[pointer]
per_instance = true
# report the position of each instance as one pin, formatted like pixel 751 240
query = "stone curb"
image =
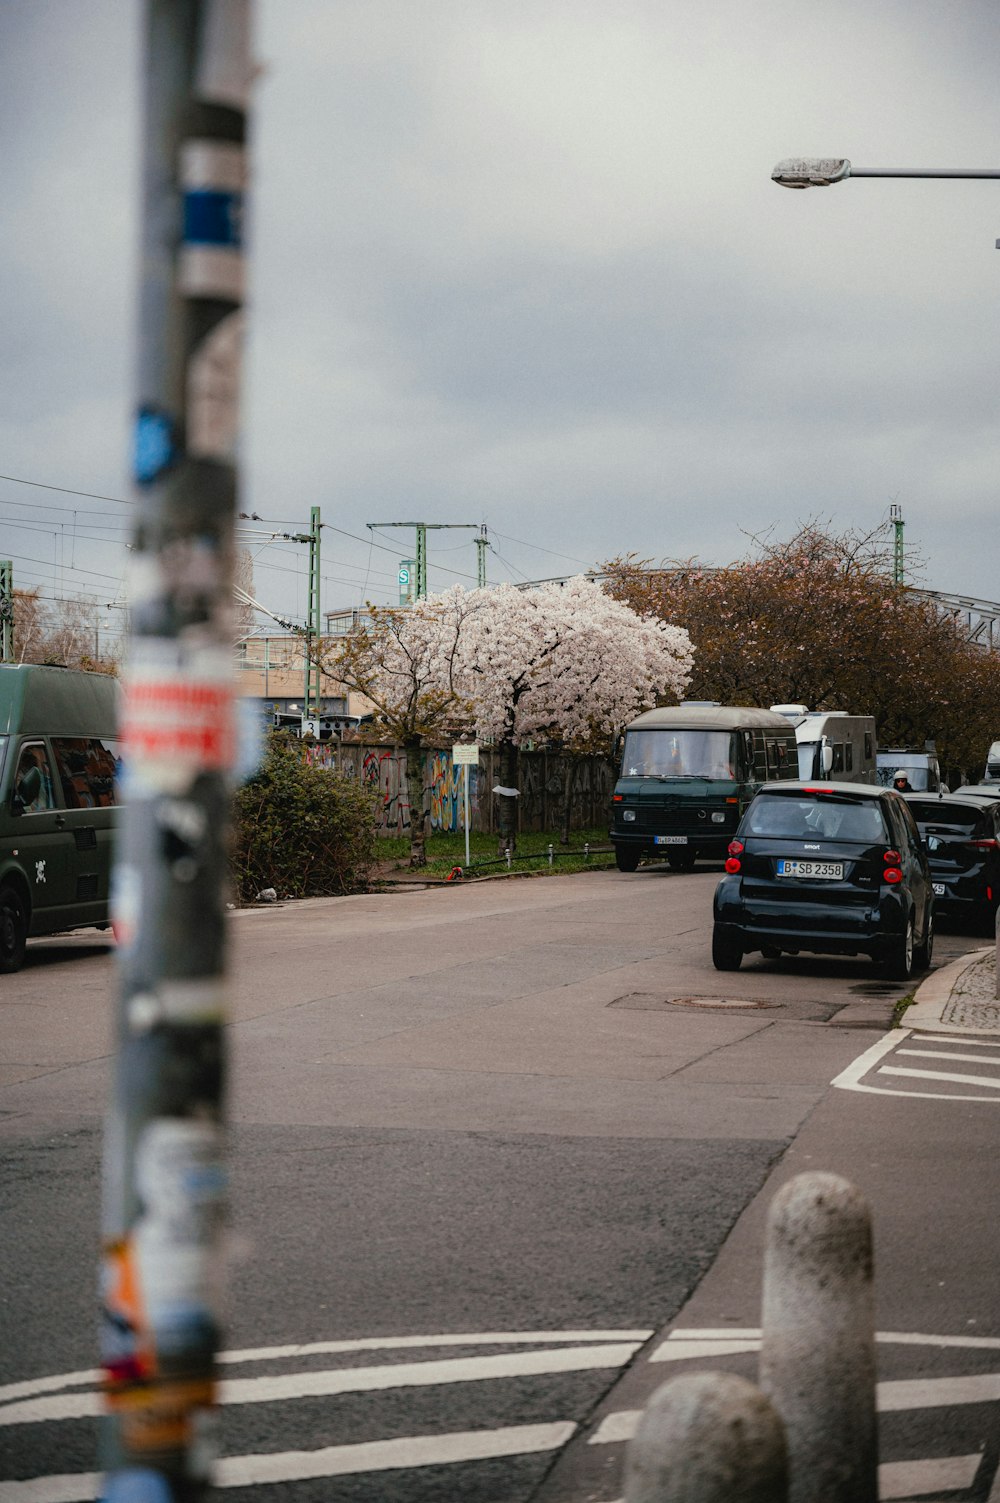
pixel 941 1005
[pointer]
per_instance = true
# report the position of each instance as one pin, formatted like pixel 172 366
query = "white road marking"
pixel 937 1038
pixel 353 1380
pixel 919 1479
pixel 711 1341
pixel 851 1078
pixel 938 1393
pixel 980 1080
pixel 407 1451
pixel 92 1376
pixel 969 1059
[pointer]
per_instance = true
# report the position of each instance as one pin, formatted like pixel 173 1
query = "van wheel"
pixel 727 950
pixel 899 956
pixel 626 861
pixel 13 929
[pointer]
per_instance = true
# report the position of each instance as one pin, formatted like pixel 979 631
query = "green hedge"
pixel 305 831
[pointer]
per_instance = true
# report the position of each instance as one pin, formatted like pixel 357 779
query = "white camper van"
pixel 832 743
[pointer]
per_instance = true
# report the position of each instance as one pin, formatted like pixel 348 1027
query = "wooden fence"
pixel 547 779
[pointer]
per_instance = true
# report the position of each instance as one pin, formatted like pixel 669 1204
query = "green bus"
pixel 688 773
pixel 59 763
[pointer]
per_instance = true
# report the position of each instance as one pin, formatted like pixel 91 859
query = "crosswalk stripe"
pixel 354 1380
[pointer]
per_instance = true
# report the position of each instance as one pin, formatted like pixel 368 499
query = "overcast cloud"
pixel 521 262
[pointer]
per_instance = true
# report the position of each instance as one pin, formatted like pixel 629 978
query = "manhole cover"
pixel 652 1002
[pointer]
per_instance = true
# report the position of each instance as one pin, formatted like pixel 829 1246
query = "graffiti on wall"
pixel 446 785
pixel 384 768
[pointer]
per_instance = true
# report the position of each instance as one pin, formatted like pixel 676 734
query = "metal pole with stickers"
pixel 164 1163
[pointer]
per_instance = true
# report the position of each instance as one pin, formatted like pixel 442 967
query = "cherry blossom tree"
pixel 403 660
pixel 562 662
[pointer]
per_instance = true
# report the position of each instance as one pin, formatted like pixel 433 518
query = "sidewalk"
pixel 929 1171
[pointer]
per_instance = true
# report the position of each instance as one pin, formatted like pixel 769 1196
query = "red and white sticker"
pixel 178 718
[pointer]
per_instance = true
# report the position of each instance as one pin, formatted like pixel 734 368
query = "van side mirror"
pixel 28 788
pixel 827 758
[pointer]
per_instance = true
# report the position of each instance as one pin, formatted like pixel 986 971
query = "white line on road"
pixel 93 1375
pixel 920 1479
pixel 937 1038
pixel 979 1080
pixel 708 1341
pixel 938 1393
pixel 850 1079
pixel 354 1380
pixel 969 1059
pixel 332 1461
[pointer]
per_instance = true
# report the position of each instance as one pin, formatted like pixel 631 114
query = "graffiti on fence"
pixel 319 754
pixel 446 783
pixel 385 768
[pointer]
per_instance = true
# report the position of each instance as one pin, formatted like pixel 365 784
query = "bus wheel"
pixel 626 861
pixel 13 929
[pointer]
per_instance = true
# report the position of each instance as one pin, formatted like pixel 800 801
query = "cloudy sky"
pixel 521 262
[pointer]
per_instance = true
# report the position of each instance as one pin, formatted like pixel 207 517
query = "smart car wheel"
pixel 727 950
pixel 626 861
pixel 13 929
pixel 899 957
pixel 922 953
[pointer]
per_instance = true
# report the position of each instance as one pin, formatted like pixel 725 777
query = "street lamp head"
pixel 811 172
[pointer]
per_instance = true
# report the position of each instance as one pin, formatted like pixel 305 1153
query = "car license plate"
pixel 938 889
pixel 670 840
pixel 829 869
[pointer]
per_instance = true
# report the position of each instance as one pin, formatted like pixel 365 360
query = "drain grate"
pixel 653 1002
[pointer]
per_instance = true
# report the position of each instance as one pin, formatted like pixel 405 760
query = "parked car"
pixel 830 868
pixel 962 836
pixel 978 790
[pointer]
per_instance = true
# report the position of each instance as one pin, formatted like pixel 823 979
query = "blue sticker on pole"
pixel 136 1484
pixel 153 444
pixel 213 216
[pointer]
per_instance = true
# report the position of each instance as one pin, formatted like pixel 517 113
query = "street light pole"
pixel 822 172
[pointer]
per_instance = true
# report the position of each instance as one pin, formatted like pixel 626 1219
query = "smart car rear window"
pixel 815 818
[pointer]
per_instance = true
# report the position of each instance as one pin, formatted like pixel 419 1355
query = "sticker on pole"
pixel 177 719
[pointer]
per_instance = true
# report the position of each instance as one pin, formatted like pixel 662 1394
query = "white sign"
pixel 463 755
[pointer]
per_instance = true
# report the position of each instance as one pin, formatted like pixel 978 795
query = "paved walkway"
pixel 927 1165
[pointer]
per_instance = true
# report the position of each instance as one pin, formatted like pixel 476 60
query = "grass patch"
pixel 445 851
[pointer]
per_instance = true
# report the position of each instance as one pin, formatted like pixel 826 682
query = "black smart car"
pixel 962 836
pixel 830 868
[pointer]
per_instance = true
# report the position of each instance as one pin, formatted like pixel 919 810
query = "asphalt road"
pixel 485 1141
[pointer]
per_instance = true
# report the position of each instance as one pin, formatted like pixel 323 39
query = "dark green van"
pixel 688 773
pixel 58 768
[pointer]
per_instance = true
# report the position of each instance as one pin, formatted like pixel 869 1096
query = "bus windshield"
pixel 679 754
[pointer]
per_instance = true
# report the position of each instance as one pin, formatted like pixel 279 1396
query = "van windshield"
pixel 679 754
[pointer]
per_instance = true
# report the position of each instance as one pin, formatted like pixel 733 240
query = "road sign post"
pixel 465 756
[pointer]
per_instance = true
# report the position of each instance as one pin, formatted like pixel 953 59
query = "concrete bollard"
pixel 550 853
pixel 707 1438
pixel 817 1360
pixel 507 856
